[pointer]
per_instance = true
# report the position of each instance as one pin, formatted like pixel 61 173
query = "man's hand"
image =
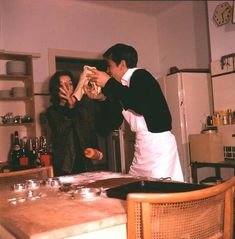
pixel 99 77
pixel 91 95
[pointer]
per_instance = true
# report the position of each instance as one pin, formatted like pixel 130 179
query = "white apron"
pixel 155 154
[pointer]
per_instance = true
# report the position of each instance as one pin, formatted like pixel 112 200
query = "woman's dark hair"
pixel 54 85
pixel 120 52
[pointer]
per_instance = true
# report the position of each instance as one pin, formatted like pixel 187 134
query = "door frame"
pixel 53 53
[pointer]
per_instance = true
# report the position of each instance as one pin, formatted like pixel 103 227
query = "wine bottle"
pixel 45 155
pixel 24 159
pixel 31 153
pixel 36 151
pixel 16 152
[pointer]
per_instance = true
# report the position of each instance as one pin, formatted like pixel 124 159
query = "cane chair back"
pixel 201 214
pixel 22 175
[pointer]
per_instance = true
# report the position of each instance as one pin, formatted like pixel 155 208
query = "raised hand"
pixel 65 93
pixel 91 95
pixel 99 77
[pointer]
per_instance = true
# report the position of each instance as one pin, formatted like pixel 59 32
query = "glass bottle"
pixel 36 152
pixel 24 158
pixel 16 152
pixel 45 155
pixel 31 153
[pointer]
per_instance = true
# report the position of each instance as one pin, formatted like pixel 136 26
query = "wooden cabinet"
pixel 19 107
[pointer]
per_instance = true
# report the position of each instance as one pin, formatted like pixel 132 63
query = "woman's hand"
pixel 65 93
pixel 99 77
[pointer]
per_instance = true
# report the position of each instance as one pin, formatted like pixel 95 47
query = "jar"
pixel 225 120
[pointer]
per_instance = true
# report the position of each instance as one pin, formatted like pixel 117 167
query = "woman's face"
pixel 65 80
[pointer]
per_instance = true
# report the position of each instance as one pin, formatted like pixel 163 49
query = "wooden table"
pixel 59 216
pixel 217 166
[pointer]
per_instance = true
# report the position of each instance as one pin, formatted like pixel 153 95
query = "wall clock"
pixel 222 13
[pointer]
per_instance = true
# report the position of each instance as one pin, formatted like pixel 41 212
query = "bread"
pixel 85 81
pixel 93 154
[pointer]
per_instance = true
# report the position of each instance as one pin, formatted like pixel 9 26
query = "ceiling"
pixel 147 7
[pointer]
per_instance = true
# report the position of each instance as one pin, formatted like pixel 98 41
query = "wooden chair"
pixel 22 175
pixel 201 214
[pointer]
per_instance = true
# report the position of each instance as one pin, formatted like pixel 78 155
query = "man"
pixel 135 94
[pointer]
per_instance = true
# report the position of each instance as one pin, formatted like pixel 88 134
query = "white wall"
pixel 177 37
pixel 183 37
pixel 35 26
pixel 1 23
pixel 222 37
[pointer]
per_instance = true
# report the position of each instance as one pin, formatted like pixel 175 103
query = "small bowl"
pixel 19 187
pixel 53 182
pixel 88 193
pixel 33 184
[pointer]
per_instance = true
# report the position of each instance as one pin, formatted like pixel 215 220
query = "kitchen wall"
pixel 35 26
pixel 183 37
pixel 1 19
pixel 171 38
pixel 222 37
pixel 162 42
pixel 1 33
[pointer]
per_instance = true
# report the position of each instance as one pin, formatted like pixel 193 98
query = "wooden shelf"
pixel 17 105
pixel 16 99
pixel 15 77
pixel 15 55
pixel 16 124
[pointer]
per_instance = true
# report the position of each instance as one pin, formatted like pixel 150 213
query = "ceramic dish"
pixel 87 193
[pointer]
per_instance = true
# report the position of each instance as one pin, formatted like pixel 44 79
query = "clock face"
pixel 222 13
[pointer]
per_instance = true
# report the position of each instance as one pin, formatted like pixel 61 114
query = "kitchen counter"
pixel 58 215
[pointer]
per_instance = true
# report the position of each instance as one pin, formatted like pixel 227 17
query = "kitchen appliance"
pixel 188 94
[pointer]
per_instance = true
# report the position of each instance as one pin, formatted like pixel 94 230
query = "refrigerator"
pixel 189 97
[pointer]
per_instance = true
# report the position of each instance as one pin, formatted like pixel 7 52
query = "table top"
pixel 57 215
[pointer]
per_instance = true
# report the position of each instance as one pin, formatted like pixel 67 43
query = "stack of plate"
pixel 16 68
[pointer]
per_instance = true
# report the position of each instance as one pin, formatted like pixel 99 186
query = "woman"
pixel 72 126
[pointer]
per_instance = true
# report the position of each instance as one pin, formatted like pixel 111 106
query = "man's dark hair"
pixel 120 52
pixel 54 85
